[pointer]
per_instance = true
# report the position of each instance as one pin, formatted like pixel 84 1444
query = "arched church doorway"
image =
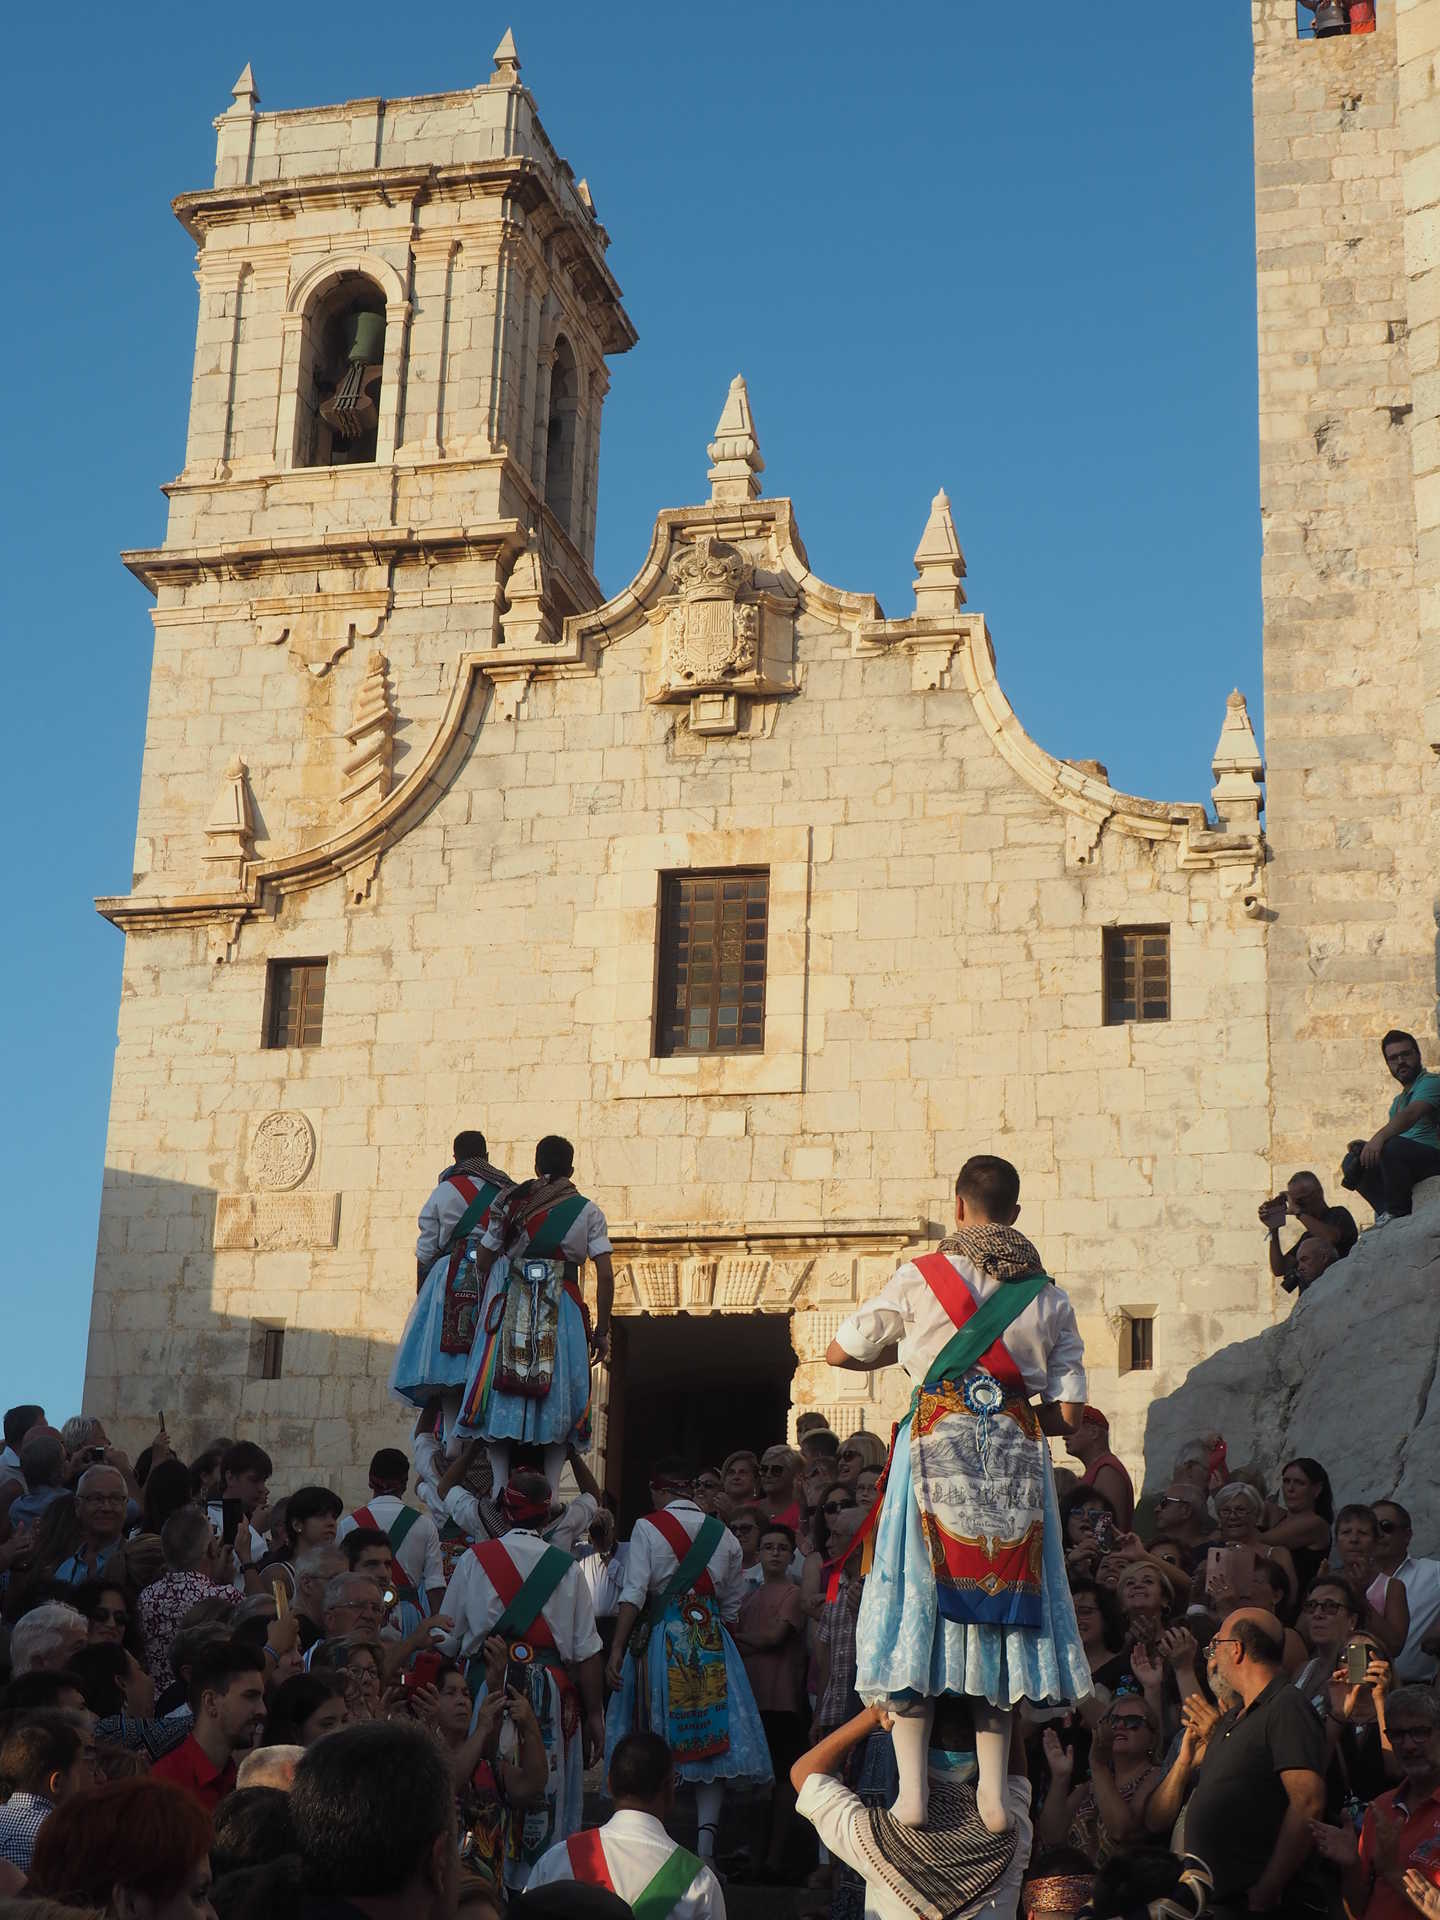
pixel 697 1385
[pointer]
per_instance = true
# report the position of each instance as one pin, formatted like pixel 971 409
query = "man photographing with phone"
pixel 1303 1200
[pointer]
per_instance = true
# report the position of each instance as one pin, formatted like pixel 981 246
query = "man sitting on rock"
pixel 1386 1167
pixel 1304 1201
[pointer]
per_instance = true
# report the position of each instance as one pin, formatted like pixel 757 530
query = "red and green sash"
pixel 462 1305
pixel 521 1618
pixel 396 1533
pixel 658 1899
pixel 545 1234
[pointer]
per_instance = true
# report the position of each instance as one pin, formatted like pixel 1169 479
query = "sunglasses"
pixel 838 1506
pixel 118 1618
pixel 850 1453
pixel 775 1466
pixel 707 1486
pixel 1128 1721
pixel 1390 1526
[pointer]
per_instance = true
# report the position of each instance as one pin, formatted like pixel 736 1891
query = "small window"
pixel 296 1003
pixel 1137 974
pixel 1137 1353
pixel 712 962
pixel 267 1352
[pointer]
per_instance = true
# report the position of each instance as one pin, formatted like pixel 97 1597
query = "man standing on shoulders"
pixel 1104 1470
pixel 434 1351
pixel 632 1854
pixel 414 1539
pixel 1407 1148
pixel 529 1377
pixel 673 1665
pixel 1401 1829
pixel 227 1692
pixel 1258 1770
pixel 532 1596
pixel 1416 1663
pixel 1304 1202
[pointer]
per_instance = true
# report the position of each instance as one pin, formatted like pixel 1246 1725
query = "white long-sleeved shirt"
pixel 636 1847
pixel 651 1561
pixel 1043 1340
pixel 1421 1581
pixel 836 1813
pixel 419 1556
pixel 439 1217
pixel 474 1605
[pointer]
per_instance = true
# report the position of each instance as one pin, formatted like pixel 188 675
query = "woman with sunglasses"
pixel 708 1490
pixel 861 1449
pixel 1105 1814
pixel 840 1585
pixel 1329 1617
pixel 834 1501
pixel 110 1609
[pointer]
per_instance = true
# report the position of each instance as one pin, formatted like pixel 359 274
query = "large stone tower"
pixel 1347 172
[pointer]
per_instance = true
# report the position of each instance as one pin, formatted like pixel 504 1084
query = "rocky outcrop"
pixel 1349 1378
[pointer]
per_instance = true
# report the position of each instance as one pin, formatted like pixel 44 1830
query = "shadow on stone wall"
pixel 160 1340
pixel 1348 1378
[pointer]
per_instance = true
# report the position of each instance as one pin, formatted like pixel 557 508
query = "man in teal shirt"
pixel 1407 1147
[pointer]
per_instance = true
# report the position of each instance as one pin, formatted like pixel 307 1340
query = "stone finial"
pixel 529 619
pixel 507 63
pixel 230 830
pixel 1239 771
pixel 735 475
pixel 366 770
pixel 939 564
pixel 245 93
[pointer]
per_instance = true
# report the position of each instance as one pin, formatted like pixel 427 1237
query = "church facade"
pixel 766 900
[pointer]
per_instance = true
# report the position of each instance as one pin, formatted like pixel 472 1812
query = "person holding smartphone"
pixel 1303 1200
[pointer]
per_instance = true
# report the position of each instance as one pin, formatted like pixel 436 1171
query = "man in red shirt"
pixel 1104 1471
pixel 227 1692
pixel 1402 1828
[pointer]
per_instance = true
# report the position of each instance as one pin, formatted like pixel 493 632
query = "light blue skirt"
pixel 422 1369
pixel 904 1645
pixel 555 1419
pixel 748 1757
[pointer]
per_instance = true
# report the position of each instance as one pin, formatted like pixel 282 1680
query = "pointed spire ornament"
pixel 735 452
pixel 230 830
pixel 366 771
pixel 507 63
pixel 245 93
pixel 939 564
pixel 1239 771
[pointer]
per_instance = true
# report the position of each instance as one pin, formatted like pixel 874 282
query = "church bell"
pixel 351 409
pixel 1331 17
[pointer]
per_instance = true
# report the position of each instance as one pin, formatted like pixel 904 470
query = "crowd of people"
pixel 926 1674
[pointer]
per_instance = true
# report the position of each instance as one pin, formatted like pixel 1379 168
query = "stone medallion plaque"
pixel 282 1152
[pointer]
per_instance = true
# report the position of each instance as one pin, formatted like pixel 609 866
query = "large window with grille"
pixel 712 962
pixel 295 1003
pixel 1137 974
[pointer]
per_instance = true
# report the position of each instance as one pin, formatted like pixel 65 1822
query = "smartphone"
pixel 517 1669
pixel 232 1513
pixel 95 1455
pixel 1105 1533
pixel 422 1671
pixel 1357 1662
pixel 282 1598
pixel 160 1423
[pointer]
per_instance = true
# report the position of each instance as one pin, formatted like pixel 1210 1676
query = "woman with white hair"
pixel 1239 1509
pixel 47 1638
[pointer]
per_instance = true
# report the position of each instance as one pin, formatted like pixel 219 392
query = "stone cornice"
pixel 632 1238
pixel 244 559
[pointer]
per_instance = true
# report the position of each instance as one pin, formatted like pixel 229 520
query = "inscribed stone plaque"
pixel 276 1222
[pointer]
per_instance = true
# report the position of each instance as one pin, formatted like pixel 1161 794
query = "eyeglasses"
pixel 1127 1722
pixel 837 1506
pixel 1326 1606
pixel 104 1616
pixel 1227 1640
pixel 1408 1733
pixel 707 1486
pixel 773 1466
pixel 1171 1500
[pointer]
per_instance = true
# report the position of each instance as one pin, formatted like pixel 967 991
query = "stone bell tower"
pixel 1348 237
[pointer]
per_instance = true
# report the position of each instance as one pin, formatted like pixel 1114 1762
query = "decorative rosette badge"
pixel 696 1614
pixel 985 1397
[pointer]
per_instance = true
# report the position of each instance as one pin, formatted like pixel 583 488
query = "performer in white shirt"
pixel 681 1675
pixel 632 1854
pixel 413 1536
pixel 533 1597
pixel 434 1351
pixel 952 1867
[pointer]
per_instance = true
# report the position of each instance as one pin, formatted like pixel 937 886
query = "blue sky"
pixel 999 248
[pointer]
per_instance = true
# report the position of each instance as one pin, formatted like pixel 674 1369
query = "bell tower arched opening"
pixel 341 362
pixel 561 433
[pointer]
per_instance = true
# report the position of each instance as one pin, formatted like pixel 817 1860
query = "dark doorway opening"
pixel 697 1385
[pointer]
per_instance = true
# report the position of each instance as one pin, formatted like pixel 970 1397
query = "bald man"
pixel 1258 1770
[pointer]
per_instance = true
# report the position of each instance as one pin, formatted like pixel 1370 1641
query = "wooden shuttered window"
pixel 1137 974
pixel 295 1003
